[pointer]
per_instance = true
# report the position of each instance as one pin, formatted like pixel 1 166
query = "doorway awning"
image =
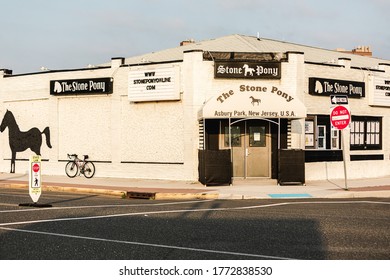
pixel 253 102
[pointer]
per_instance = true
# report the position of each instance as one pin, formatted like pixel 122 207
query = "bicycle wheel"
pixel 89 169
pixel 71 169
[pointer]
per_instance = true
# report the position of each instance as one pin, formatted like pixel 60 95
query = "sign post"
pixel 35 184
pixel 340 118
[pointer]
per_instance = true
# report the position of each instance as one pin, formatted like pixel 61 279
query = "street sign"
pixel 35 188
pixel 339 100
pixel 340 117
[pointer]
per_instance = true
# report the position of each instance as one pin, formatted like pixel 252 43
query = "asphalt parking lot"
pixel 96 227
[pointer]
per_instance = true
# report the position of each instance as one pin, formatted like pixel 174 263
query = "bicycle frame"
pixel 80 163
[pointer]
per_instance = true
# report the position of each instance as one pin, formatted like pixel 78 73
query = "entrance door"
pixel 250 142
pixel 258 153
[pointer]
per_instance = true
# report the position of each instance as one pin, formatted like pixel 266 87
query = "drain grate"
pixel 141 195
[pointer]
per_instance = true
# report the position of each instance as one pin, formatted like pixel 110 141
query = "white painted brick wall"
pixel 146 135
pixel 108 128
pixel 359 107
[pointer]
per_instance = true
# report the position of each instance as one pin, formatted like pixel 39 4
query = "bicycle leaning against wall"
pixel 75 165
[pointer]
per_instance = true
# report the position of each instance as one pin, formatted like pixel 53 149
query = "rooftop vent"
pixel 187 42
pixel 360 50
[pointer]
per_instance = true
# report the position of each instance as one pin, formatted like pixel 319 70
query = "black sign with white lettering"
pixel 247 70
pixel 81 86
pixel 339 100
pixel 328 87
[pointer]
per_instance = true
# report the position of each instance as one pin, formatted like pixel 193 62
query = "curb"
pixel 145 193
pixel 360 194
pixel 122 194
pixel 186 196
pixel 84 190
pixel 50 188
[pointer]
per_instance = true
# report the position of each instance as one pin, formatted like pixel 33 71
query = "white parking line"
pixel 7 204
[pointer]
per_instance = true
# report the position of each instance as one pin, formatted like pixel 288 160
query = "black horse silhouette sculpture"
pixel 20 141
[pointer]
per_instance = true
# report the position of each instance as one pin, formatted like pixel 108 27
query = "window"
pixel 319 135
pixel 335 142
pixel 309 133
pixel 235 136
pixel 366 133
pixel 257 136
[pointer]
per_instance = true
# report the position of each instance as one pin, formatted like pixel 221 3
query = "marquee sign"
pixel 247 70
pixel 81 86
pixel 154 83
pixel 250 101
pixel 327 87
pixel 381 93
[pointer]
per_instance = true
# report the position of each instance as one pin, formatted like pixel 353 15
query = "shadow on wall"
pixel 20 141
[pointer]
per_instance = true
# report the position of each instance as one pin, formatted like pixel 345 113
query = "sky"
pixel 71 34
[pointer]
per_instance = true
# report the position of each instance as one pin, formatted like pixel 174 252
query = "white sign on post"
pixel 35 184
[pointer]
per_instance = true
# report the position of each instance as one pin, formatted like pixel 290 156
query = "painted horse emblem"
pixel 20 141
pixel 255 100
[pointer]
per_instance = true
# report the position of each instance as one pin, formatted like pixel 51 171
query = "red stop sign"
pixel 340 117
pixel 35 167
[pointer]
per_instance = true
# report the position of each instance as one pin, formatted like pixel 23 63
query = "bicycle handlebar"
pixel 76 156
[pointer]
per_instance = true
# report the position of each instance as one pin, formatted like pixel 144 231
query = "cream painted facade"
pixel 161 139
pixel 124 139
pixel 358 107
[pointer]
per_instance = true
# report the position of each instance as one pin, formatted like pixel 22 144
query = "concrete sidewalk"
pixel 241 189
